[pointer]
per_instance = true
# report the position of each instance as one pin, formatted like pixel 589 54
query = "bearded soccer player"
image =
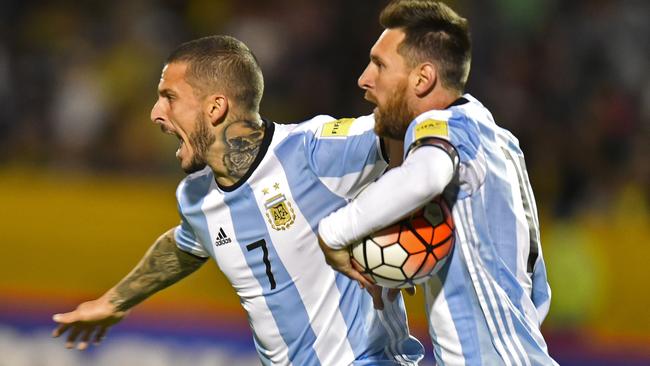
pixel 255 193
pixel 486 305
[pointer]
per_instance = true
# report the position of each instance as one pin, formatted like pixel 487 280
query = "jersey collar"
pixel 269 128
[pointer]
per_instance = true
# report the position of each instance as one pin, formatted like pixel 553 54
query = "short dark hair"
pixel 225 64
pixel 434 32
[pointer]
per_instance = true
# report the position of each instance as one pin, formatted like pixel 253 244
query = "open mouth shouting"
pixel 169 131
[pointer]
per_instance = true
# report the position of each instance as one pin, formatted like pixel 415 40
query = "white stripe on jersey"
pixel 464 243
pixel 251 296
pixel 348 182
pixel 494 246
pixel 451 351
pixel 473 172
pixel 491 289
pixel 301 311
pixel 507 330
pixel 522 228
pixel 391 319
pixel 325 316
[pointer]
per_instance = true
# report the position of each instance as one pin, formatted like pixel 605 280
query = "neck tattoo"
pixel 242 140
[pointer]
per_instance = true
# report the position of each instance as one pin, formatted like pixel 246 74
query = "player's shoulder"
pixel 459 123
pixel 195 185
pixel 326 126
pixel 464 111
pixel 434 123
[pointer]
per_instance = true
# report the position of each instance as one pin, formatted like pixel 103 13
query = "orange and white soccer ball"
pixel 410 251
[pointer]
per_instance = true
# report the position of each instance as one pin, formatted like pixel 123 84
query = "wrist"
pixel 115 303
pixel 327 233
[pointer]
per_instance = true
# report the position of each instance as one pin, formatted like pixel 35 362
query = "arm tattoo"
pixel 243 140
pixel 163 264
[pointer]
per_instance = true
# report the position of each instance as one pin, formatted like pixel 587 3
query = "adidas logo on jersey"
pixel 222 238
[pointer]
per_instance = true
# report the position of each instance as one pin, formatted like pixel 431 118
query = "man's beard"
pixel 200 141
pixel 393 119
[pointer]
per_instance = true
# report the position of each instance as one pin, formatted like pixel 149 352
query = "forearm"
pixel 422 176
pixel 163 265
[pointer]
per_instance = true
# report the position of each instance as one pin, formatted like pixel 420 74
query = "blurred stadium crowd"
pixel 571 79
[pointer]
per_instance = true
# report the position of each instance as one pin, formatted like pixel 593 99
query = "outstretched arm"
pixel 163 265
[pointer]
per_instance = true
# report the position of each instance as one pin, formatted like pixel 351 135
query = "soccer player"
pixel 255 193
pixel 486 305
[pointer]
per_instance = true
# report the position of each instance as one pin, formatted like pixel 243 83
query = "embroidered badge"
pixel 279 211
pixel 431 127
pixel 337 128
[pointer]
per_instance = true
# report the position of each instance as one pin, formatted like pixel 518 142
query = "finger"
pixel 72 337
pixel 364 282
pixel 60 330
pixel 84 338
pixel 357 266
pixel 66 318
pixel 375 293
pixel 99 336
pixel 362 271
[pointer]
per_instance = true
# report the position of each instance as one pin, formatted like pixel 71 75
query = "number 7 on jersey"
pixel 265 257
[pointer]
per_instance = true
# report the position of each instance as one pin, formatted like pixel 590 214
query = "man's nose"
pixel 156 115
pixel 364 79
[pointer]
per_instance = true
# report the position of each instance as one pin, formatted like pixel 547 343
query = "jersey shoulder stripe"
pixel 189 196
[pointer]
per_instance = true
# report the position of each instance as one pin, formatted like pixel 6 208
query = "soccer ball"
pixel 410 251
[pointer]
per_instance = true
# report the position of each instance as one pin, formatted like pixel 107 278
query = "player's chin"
pixel 189 169
pixel 192 166
pixel 380 129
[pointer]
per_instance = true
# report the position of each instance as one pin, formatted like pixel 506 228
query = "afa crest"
pixel 279 212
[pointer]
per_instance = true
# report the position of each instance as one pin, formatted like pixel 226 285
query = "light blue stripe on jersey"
pixel 487 313
pixel 404 348
pixel 491 252
pixel 354 148
pixel 499 200
pixel 312 197
pixel 469 321
pixel 284 301
pixel 499 318
pixel 541 294
pixel 516 334
pixel 457 286
pixel 263 358
pixel 354 305
pixel 190 203
pixel 315 201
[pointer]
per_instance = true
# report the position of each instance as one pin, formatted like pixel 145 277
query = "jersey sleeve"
pixel 346 154
pixel 184 235
pixel 462 135
pixel 427 170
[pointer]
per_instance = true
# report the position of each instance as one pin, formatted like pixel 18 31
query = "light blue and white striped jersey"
pixel 487 304
pixel 262 232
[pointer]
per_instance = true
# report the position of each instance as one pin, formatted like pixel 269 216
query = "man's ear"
pixel 216 108
pixel 425 78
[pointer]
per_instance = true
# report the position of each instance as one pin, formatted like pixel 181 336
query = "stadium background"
pixel 87 182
